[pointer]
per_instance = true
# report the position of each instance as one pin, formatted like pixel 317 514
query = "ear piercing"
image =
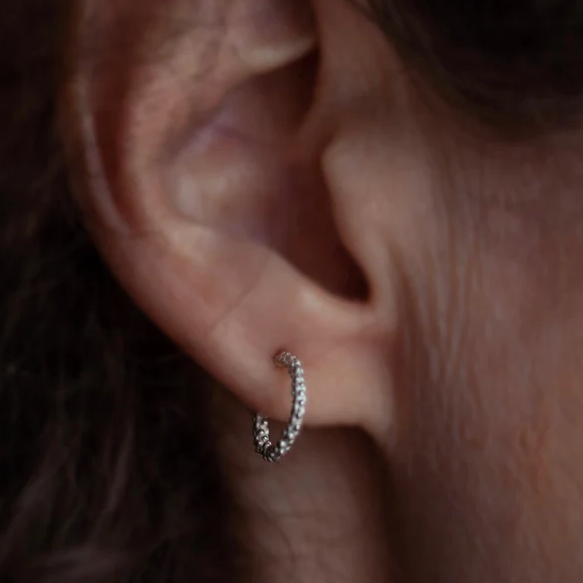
pixel 263 446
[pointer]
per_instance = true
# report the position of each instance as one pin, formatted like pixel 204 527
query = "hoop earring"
pixel 263 446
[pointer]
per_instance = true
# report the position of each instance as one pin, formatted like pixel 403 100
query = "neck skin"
pixel 319 515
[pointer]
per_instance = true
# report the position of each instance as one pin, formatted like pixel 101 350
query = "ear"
pixel 203 148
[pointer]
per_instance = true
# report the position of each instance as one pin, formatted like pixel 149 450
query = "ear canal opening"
pixel 315 246
pixel 318 251
pixel 303 225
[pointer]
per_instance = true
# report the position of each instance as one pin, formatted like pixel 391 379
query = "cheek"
pixel 489 469
pixel 489 478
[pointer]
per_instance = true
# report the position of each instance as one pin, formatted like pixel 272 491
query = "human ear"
pixel 203 147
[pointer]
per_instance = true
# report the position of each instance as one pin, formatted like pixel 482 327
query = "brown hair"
pixel 107 466
pixel 514 67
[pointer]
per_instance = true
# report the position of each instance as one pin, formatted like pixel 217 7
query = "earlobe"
pixel 230 243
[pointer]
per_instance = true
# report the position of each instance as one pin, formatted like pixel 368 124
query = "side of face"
pixel 262 174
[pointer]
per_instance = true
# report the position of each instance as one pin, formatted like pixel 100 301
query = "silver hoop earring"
pixel 263 446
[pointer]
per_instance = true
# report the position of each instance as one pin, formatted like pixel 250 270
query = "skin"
pixel 251 194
